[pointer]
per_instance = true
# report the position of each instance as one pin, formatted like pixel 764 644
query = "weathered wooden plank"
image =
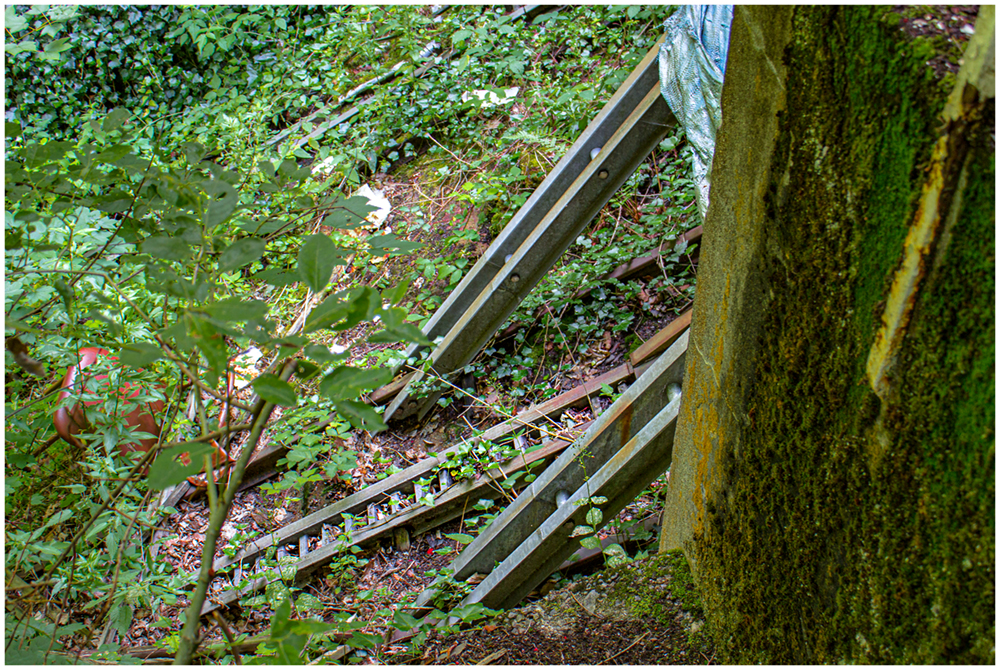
pixel 663 339
pixel 560 402
pixel 645 263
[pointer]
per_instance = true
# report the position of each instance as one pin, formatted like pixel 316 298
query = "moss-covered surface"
pixel 635 595
pixel 833 540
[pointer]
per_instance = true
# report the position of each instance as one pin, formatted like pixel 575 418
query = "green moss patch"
pixel 656 587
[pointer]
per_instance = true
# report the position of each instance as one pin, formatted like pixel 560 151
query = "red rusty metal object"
pixel 70 421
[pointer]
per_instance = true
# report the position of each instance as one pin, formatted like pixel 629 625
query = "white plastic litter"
pixel 491 99
pixel 245 366
pixel 692 66
pixel 376 199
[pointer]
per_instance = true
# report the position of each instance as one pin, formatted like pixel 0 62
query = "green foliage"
pixel 89 264
pixel 160 202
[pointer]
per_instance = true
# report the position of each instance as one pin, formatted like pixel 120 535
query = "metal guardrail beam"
pixel 524 253
pixel 567 170
pixel 530 538
pixel 640 461
pixel 598 446
pixel 451 503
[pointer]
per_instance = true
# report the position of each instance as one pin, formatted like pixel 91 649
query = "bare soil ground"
pixel 643 613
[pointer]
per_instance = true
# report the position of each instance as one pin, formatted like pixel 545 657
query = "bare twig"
pixel 584 607
pixel 635 642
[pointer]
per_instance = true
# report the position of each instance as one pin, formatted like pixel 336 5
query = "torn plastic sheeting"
pixel 692 66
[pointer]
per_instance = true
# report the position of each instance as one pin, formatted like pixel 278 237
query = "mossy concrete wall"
pixel 833 481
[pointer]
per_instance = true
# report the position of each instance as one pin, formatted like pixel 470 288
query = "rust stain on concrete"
pixel 977 77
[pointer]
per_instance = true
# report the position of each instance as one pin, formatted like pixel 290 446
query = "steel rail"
pixel 611 459
pixel 606 154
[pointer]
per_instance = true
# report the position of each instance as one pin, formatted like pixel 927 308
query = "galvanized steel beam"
pixel 598 446
pixel 641 460
pixel 608 152
pixel 530 537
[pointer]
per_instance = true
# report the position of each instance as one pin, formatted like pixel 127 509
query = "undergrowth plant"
pixel 157 300
pixel 202 219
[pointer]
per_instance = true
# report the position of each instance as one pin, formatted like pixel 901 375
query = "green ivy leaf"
pixel 590 542
pixel 275 390
pixel 464 538
pixel 115 118
pixel 595 516
pixel 13 21
pixel 26 45
pixel 403 621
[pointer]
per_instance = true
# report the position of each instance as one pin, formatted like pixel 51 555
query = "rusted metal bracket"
pixel 609 150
